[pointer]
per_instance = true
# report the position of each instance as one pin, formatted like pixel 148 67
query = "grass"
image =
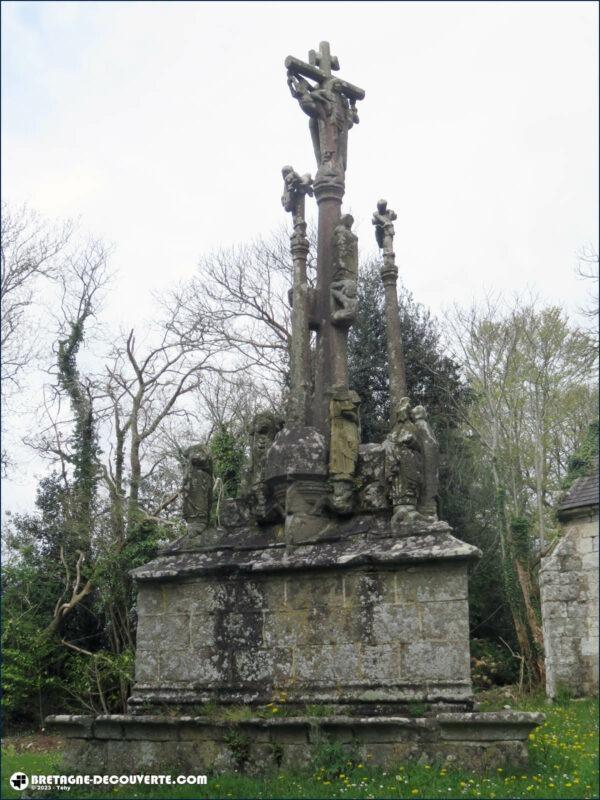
pixel 563 764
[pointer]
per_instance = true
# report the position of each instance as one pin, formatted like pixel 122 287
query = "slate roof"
pixel 583 492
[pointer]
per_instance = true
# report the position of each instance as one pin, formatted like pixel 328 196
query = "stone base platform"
pixel 112 744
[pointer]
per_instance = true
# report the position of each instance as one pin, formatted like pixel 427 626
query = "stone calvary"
pixel 329 591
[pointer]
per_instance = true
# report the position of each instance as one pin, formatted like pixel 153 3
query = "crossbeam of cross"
pixel 319 69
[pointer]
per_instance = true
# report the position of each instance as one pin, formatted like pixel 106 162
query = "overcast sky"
pixel 165 126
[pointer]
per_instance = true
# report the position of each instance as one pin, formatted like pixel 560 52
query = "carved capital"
pixel 299 243
pixel 329 187
pixel 389 272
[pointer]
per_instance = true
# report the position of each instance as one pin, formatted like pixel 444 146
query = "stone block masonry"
pixel 382 633
pixel 569 595
pixel 189 744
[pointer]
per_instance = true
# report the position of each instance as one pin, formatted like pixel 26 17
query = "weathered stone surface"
pixel 569 595
pixel 161 743
pixel 197 487
pixel 399 629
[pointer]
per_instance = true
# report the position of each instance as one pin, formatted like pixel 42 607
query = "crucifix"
pixel 330 104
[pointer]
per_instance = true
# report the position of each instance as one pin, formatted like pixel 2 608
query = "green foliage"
pixel 520 528
pixel 431 376
pixel 332 758
pixel 492 664
pixel 99 682
pixel 29 687
pixel 563 764
pixel 228 451
pixel 84 440
pixel 582 460
pixel 239 744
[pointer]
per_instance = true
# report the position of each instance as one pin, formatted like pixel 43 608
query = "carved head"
pixel 347 220
pixel 199 457
pixel 382 206
pixel 419 412
pixel 403 410
pixel 263 430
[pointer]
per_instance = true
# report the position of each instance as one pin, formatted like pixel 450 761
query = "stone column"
pixel 330 103
pixel 383 219
pixel 330 366
pixel 296 187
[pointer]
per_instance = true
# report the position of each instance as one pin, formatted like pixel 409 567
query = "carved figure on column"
pixel 331 117
pixel 262 430
pixel 343 451
pixel 404 467
pixel 383 219
pixel 197 487
pixel 295 188
pixel 428 499
pixel 331 105
pixel 345 273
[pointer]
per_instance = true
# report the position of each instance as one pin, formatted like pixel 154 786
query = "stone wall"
pixel 366 635
pixel 569 594
pixel 196 745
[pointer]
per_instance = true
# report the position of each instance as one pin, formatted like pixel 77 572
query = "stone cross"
pixel 383 220
pixel 330 104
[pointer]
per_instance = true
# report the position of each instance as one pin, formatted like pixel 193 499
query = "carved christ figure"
pixel 331 114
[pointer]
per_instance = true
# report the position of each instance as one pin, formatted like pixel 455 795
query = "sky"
pixel 163 126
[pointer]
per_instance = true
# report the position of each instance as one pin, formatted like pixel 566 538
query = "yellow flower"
pixel 415 791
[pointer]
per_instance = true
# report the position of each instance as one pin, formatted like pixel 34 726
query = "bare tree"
pixel 243 293
pixel 82 277
pixel 30 250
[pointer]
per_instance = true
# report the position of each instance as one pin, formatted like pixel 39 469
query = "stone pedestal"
pixel 366 628
pixel 363 621
pixel 200 744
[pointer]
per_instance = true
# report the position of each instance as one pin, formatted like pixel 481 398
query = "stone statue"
pixel 331 114
pixel 404 467
pixel 262 430
pixel 345 273
pixel 343 451
pixel 431 461
pixel 383 219
pixel 197 487
pixel 295 188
